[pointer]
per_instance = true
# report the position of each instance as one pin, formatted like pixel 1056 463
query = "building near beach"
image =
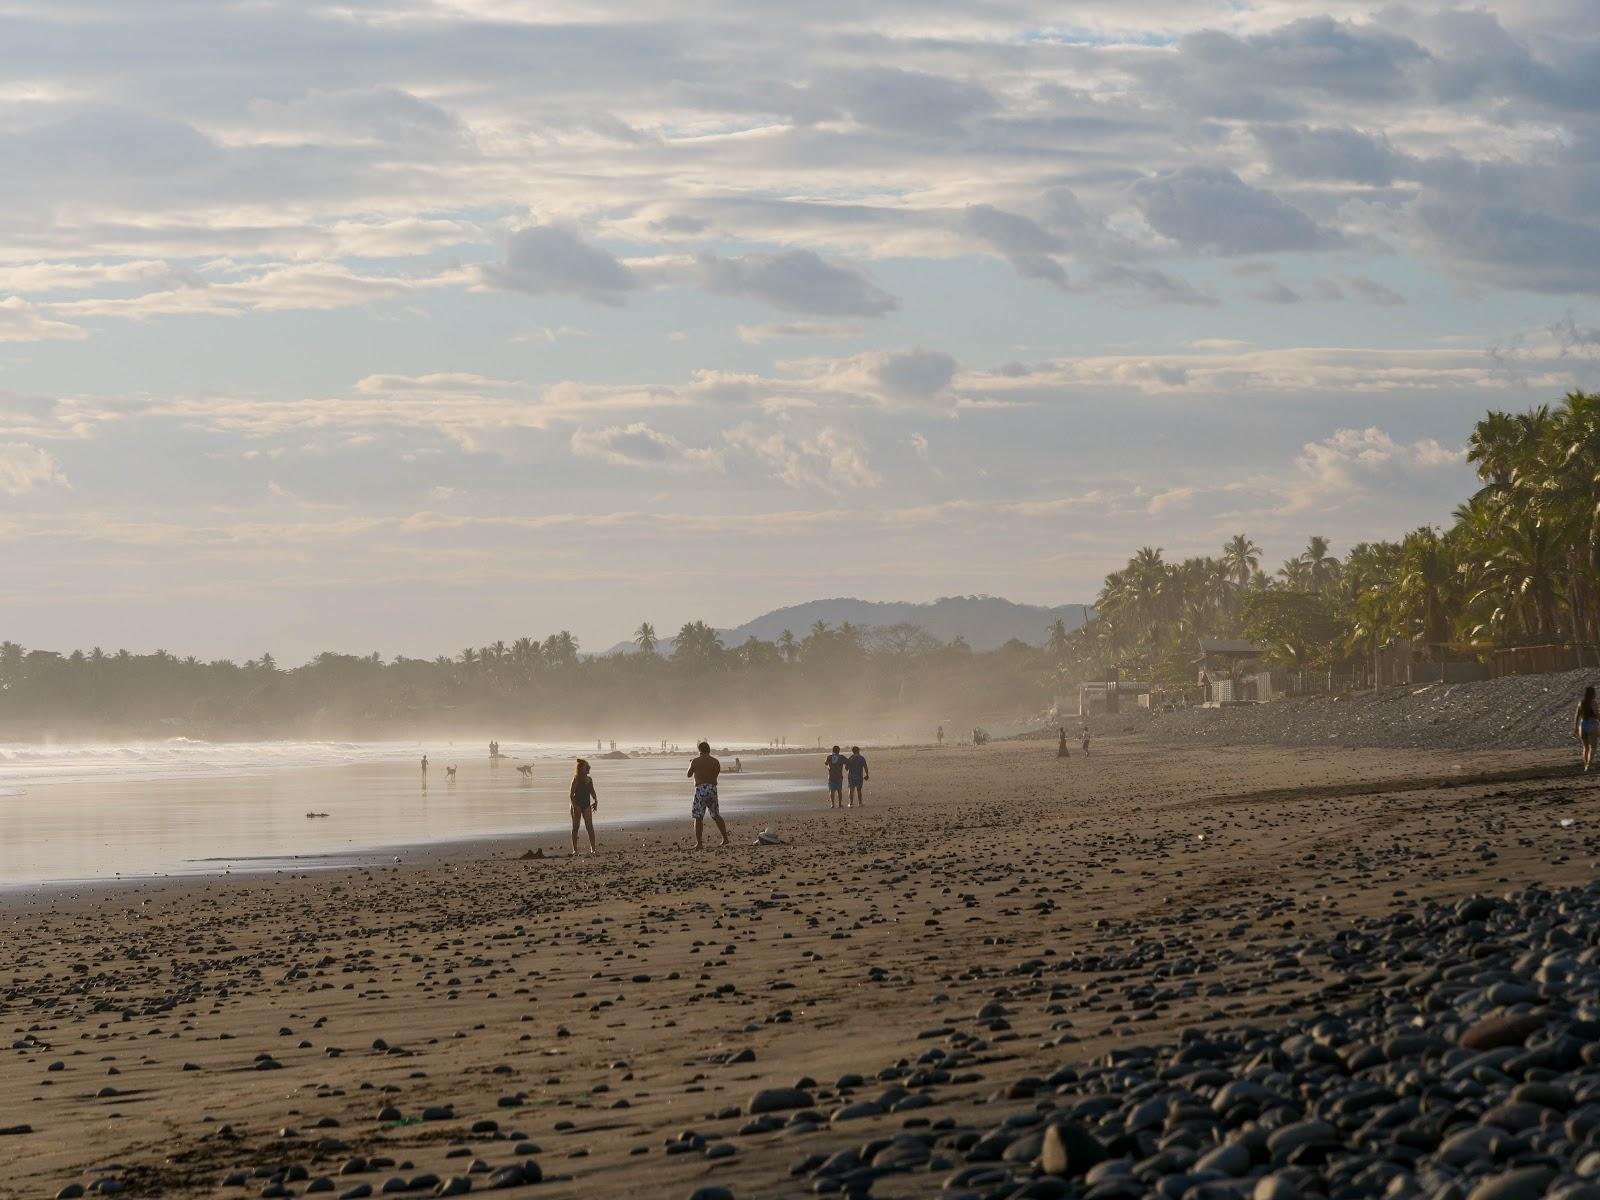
pixel 1230 672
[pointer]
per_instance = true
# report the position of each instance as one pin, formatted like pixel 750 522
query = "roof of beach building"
pixel 1233 647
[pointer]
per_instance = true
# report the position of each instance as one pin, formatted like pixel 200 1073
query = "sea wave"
pixel 177 757
pixel 183 757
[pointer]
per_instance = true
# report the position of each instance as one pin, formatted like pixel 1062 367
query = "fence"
pixel 1541 660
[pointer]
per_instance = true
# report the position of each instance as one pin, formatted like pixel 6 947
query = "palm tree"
pixel 1056 639
pixel 787 645
pixel 645 638
pixel 697 645
pixel 1523 576
pixel 1242 558
pixel 1322 568
pixel 1295 574
pixel 561 649
pixel 1494 449
pixel 1427 574
pixel 524 656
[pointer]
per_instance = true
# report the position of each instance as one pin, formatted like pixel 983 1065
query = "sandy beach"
pixel 613 1020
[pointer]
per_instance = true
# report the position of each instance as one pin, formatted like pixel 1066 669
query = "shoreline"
pixel 763 804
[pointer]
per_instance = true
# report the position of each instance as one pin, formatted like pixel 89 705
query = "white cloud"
pixel 285 287
pixel 22 322
pixel 1174 499
pixel 549 334
pixel 25 468
pixel 914 378
pixel 1352 458
pixel 829 460
pixel 35 277
pixel 639 445
pixel 755 335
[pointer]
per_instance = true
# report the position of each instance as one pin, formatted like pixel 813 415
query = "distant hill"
pixel 984 621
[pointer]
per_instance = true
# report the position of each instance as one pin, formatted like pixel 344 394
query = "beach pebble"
pixel 778 1099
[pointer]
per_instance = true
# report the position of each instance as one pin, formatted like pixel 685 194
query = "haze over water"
pixel 97 812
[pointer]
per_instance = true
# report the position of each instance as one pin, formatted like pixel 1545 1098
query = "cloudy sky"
pixel 400 325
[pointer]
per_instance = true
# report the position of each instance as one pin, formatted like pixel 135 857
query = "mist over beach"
pixel 729 601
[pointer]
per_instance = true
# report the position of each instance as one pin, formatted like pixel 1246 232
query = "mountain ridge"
pixel 985 622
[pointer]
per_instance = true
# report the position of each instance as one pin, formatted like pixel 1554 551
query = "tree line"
pixel 1517 566
pixel 888 679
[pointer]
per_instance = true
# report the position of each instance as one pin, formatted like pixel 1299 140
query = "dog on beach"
pixel 526 770
pixel 450 774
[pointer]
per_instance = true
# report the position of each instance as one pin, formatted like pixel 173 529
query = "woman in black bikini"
pixel 1586 725
pixel 584 801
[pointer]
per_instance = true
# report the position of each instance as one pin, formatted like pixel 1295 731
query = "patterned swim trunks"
pixel 705 801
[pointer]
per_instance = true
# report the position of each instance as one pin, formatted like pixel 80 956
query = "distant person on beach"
pixel 1085 741
pixel 1586 726
pixel 705 770
pixel 424 764
pixel 856 770
pixel 1061 746
pixel 584 801
pixel 835 764
pixel 738 765
pixel 938 735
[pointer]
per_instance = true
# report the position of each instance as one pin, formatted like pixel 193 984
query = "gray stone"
pixel 778 1099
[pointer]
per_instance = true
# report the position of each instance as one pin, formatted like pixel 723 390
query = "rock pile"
pixel 1465 1065
pixel 1519 712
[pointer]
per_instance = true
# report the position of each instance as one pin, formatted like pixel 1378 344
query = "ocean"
pixel 88 812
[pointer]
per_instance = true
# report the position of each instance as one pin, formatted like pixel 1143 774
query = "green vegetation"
pixel 1519 566
pixel 896 678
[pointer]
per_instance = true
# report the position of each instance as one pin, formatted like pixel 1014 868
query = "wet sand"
pixel 165 1035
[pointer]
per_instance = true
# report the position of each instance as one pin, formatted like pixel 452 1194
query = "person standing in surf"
pixel 584 801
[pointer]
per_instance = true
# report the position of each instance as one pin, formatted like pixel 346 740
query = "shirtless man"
pixel 835 764
pixel 704 771
pixel 855 768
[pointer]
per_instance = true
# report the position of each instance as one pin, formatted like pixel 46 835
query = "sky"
pixel 406 325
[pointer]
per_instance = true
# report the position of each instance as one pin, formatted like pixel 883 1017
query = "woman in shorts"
pixel 584 801
pixel 1586 725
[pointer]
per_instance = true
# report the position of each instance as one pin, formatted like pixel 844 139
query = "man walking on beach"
pixel 704 771
pixel 856 768
pixel 835 765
